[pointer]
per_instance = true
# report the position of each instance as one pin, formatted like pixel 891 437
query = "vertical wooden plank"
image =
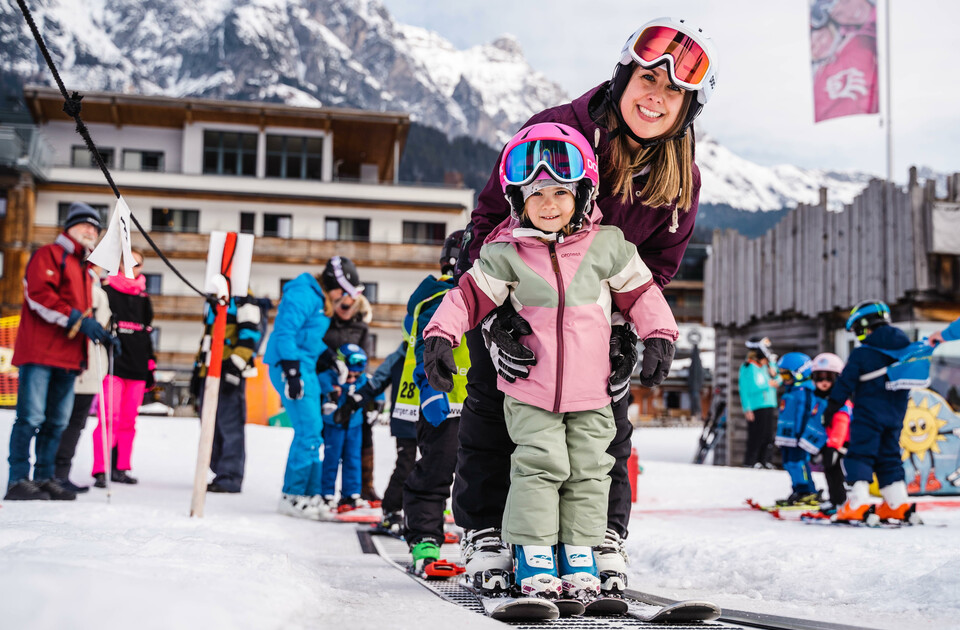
pixel 908 280
pixel 856 237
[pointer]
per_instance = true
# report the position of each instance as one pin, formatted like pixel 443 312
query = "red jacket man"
pixel 57 298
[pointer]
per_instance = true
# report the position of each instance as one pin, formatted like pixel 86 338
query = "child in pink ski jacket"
pixel 563 272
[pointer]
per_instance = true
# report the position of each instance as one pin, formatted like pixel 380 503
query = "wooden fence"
pixel 816 261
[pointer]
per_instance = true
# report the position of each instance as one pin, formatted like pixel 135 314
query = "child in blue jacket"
pixel 342 433
pixel 878 421
pixel 797 406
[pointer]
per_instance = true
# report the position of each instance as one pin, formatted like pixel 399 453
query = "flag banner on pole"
pixel 115 243
pixel 843 52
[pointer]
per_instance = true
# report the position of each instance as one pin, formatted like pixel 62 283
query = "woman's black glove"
pixel 438 363
pixel 502 330
pixel 623 359
pixel 291 374
pixel 657 358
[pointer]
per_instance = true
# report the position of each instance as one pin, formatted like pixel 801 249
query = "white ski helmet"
pixel 690 58
pixel 827 362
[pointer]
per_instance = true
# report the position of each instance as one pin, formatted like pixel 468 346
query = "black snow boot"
pixel 56 491
pixel 26 490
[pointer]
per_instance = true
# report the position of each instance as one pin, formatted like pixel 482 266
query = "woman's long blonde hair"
pixel 671 165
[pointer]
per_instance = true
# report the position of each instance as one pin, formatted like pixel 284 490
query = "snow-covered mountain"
pixel 730 179
pixel 305 52
pixel 348 53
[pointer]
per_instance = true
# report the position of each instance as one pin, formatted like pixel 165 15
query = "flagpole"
pixel 889 95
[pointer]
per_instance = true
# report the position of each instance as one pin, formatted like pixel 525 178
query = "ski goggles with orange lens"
pixel 689 62
pixel 562 160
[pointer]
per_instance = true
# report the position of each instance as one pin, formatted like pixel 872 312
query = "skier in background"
pixel 246 318
pixel 758 383
pixel 404 431
pixel 797 405
pixel 133 372
pixel 350 323
pixel 829 435
pixel 294 347
pixel 878 422
pixel 437 415
pixel 343 433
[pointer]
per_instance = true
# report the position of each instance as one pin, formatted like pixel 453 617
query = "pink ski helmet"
pixel 549 151
pixel 827 362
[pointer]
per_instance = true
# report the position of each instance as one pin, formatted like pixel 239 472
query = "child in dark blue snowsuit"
pixel 797 405
pixel 875 429
pixel 343 436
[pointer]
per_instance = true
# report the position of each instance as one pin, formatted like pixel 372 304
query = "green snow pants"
pixel 558 475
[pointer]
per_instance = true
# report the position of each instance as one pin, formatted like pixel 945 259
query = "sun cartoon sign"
pixel 930 441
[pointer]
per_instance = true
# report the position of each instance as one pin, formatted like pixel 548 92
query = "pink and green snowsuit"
pixel 560 417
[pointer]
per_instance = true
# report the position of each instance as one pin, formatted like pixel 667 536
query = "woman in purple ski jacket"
pixel 640 124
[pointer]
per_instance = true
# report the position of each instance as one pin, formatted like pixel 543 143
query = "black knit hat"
pixel 80 212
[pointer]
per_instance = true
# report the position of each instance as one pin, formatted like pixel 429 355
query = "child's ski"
pixel 678 612
pixel 570 607
pixel 606 607
pixel 518 608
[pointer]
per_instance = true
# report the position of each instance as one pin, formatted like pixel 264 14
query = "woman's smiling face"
pixel 651 104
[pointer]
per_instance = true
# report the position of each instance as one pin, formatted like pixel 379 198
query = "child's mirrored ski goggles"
pixel 562 160
pixel 688 61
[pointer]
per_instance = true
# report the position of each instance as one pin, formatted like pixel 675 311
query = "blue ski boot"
pixel 578 572
pixel 535 572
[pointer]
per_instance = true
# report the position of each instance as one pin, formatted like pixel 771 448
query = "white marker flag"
pixel 116 243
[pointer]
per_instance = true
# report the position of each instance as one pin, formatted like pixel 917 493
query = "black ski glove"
pixel 349 406
pixel 657 358
pixel 291 374
pixel 832 407
pixel 502 330
pixel 438 363
pixel 830 456
pixel 623 359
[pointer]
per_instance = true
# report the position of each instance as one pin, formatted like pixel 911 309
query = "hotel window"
pixel 229 153
pixel 283 281
pixel 424 233
pixel 80 157
pixel 248 222
pixel 370 291
pixel 151 161
pixel 175 220
pixel 337 229
pixel 280 225
pixel 293 157
pixel 63 208
pixel 154 283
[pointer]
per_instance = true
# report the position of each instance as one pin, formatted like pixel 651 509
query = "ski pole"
pixel 103 416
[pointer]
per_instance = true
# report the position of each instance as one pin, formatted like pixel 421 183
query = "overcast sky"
pixel 763 106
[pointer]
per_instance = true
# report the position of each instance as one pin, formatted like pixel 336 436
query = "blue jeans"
pixel 44 402
pixel 302 476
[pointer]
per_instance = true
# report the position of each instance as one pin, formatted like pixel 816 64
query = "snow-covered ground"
pixel 141 562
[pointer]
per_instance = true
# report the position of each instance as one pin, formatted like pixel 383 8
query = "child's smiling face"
pixel 550 209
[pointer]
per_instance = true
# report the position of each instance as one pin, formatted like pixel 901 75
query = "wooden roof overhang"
pixel 359 136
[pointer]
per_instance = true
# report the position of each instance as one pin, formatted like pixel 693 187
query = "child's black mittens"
pixel 502 330
pixel 438 363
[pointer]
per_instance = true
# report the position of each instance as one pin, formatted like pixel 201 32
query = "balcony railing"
pixel 24 147
pixel 283 250
pixel 190 307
